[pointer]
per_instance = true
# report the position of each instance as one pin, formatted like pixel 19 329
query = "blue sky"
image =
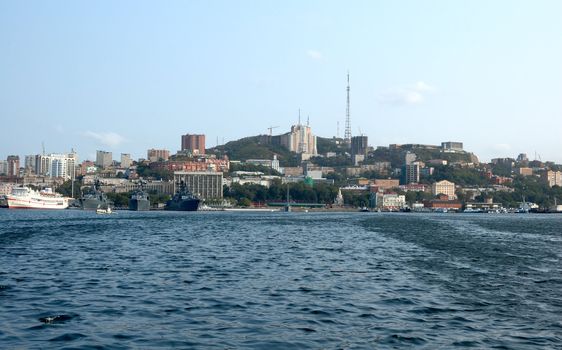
pixel 125 76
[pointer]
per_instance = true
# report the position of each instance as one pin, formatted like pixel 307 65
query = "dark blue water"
pixel 73 279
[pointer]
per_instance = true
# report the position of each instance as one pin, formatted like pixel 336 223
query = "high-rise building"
pixel 126 160
pixel 104 159
pixel 156 155
pixel 13 165
pixel 300 140
pixel 552 178
pixel 3 167
pixel 194 143
pixel 359 145
pixel 444 187
pixel 409 158
pixel 30 163
pixel 411 173
pixel 56 165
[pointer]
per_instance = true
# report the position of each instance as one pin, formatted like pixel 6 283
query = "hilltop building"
pixel 452 147
pixel 195 143
pixel 300 140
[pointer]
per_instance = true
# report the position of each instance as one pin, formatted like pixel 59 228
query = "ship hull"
pixel 139 205
pixel 183 205
pixel 93 204
pixel 36 203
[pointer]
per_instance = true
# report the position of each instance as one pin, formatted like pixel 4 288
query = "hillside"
pixel 253 148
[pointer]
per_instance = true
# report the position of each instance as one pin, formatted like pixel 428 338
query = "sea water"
pixel 74 279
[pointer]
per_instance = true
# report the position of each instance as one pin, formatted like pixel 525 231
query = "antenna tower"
pixel 347 135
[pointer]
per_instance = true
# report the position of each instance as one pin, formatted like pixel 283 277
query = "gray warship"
pixel 96 199
pixel 139 201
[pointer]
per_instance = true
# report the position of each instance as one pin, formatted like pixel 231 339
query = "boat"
pixel 140 200
pixel 96 199
pixel 364 210
pixel 27 198
pixel 183 200
pixel 104 210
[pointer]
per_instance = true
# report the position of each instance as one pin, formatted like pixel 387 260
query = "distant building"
pixel 13 166
pixel 157 155
pixel 29 163
pixel 88 167
pixel 451 146
pixel 359 145
pixel 3 167
pixel 300 140
pixel 386 184
pixel 522 158
pixel 390 201
pixel 437 162
pixel 56 165
pixel 524 171
pixel 269 163
pixel 552 178
pixel 206 185
pixel 443 202
pixel 503 161
pixel 194 143
pixel 444 187
pixel 126 160
pixel 104 159
pixel 411 173
pixel 409 158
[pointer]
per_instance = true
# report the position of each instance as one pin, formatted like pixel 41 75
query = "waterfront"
pixel 279 280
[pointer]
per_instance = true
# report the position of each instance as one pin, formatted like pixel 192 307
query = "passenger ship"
pixel 26 198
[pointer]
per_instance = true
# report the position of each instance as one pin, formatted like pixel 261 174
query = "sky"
pixel 126 76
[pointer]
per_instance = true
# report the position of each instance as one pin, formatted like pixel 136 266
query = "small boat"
pixel 104 210
pixel 364 210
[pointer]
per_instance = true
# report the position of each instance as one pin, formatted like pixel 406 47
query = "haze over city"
pixel 128 76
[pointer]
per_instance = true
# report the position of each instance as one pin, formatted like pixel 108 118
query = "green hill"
pixel 255 147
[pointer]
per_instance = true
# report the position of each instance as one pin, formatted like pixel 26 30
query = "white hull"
pixel 24 198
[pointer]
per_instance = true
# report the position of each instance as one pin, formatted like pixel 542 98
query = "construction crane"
pixel 271 129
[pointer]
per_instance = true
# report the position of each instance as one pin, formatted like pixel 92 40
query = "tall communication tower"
pixel 347 135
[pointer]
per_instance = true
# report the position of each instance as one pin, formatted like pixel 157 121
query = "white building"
pixel 390 201
pixel 300 140
pixel 444 187
pixel 126 160
pixel 56 165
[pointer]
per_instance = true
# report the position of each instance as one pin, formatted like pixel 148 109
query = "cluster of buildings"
pixel 204 173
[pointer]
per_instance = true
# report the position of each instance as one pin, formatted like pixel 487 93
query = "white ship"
pixel 26 198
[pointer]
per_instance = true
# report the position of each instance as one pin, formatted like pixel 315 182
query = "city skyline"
pixel 127 77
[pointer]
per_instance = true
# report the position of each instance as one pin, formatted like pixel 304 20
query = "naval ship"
pixel 96 199
pixel 183 200
pixel 139 201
